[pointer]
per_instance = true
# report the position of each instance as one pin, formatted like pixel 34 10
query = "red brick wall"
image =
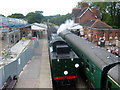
pixel 113 35
pixel 76 20
pixel 96 34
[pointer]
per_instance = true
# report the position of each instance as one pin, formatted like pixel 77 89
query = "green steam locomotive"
pixel 64 62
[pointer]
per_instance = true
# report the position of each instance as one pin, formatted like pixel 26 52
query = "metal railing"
pixel 15 67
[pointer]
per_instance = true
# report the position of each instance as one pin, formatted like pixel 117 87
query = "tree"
pixel 79 5
pixel 110 12
pixel 114 12
pixel 17 15
pixel 2 15
pixel 33 17
pixel 58 19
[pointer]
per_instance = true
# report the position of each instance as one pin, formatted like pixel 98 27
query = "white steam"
pixel 66 26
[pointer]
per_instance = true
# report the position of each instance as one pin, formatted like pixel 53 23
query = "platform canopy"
pixel 38 27
pixel 76 26
pixel 33 27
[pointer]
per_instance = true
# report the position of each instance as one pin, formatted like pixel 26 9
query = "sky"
pixel 49 7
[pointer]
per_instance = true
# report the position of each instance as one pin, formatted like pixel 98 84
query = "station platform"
pixel 37 73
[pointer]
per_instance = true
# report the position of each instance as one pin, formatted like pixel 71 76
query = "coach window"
pixel 81 60
pixel 82 55
pixel 92 69
pixel 87 64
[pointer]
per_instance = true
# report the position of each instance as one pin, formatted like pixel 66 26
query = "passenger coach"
pixel 100 67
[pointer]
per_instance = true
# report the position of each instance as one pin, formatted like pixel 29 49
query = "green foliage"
pixel 33 17
pixel 79 5
pixel 110 12
pixel 2 15
pixel 114 12
pixel 58 19
pixel 37 17
pixel 17 15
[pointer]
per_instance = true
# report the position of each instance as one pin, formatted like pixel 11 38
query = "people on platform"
pixel 114 50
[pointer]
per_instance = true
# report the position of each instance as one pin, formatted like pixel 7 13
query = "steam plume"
pixel 66 26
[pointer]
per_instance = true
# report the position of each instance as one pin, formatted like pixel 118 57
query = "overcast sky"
pixel 49 7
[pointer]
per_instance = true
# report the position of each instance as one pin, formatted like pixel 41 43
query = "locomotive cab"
pixel 64 49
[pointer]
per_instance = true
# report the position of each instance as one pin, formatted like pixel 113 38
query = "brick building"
pixel 94 28
pixel 80 15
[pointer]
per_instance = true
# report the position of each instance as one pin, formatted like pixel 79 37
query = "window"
pixel 103 35
pixel 87 64
pixel 92 70
pixel 81 60
pixel 110 35
pixel 82 55
pixel 116 34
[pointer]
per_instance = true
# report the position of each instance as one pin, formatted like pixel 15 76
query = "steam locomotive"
pixel 101 68
pixel 64 62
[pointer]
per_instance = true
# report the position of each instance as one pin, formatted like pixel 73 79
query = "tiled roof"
pixel 101 25
pixel 77 12
pixel 88 23
pixel 96 24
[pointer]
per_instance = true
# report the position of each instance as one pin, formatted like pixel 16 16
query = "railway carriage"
pixel 100 67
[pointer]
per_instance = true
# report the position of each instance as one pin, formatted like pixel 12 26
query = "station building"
pixel 94 28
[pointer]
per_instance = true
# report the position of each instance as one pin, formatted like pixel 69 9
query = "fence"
pixel 15 67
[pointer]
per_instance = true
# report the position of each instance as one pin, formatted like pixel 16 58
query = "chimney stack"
pixel 85 5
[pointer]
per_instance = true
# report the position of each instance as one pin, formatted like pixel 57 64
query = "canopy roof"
pixel 37 26
pixel 34 27
pixel 75 27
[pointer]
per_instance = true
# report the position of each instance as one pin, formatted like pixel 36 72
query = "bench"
pixel 10 83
